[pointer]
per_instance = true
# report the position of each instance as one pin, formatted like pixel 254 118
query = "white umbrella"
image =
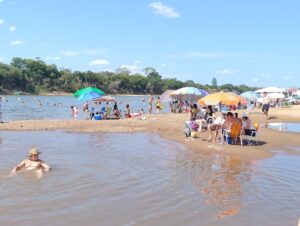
pixel 270 89
pixel 188 93
pixel 275 95
pixel 165 97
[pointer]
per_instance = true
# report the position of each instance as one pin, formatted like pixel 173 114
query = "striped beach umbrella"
pixel 88 90
pixel 225 98
pixel 188 93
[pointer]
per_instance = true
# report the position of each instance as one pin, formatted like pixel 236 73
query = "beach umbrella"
pixel 106 99
pixel 17 93
pixel 88 90
pixel 188 93
pixel 275 95
pixel 165 97
pixel 270 89
pixel 250 95
pixel 225 98
pixel 89 96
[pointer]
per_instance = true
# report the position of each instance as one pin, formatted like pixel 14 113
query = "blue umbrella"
pixel 89 96
pixel 165 97
pixel 189 93
pixel 250 95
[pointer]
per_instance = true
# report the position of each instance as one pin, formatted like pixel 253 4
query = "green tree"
pixel 214 83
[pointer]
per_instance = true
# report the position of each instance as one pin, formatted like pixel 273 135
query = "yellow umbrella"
pixel 225 98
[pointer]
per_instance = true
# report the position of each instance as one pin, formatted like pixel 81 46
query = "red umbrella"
pixel 105 99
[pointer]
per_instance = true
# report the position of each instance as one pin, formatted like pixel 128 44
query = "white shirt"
pixel 266 100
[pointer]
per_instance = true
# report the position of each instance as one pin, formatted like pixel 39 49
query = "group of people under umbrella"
pixel 98 97
pixel 186 96
pixel 177 99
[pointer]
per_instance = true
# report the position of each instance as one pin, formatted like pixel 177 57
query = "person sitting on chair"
pixel 196 113
pixel 248 128
pixel 208 118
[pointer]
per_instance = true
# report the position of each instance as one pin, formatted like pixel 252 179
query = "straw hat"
pixel 33 151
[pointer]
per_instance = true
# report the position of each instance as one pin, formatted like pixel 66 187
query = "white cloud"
pixel 226 71
pixel 69 53
pixel 136 62
pixel 1 21
pixel 99 62
pixel 109 69
pixel 164 10
pixel 130 67
pixel 217 55
pixel 53 58
pixel 255 80
pixel 166 65
pixel 94 51
pixel 2 59
pixel 12 28
pixel 266 76
pixel 287 77
pixel 17 43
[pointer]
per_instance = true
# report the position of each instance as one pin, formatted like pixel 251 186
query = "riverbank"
pixel 170 126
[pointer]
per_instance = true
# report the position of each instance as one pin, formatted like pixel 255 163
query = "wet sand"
pixel 170 126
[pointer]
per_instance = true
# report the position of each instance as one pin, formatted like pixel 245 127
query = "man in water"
pixel 150 104
pixel 32 163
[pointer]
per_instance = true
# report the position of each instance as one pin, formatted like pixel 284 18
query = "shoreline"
pixel 170 127
pixel 71 94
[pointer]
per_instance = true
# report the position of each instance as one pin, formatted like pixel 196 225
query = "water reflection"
pixel 291 127
pixel 220 180
pixel 140 179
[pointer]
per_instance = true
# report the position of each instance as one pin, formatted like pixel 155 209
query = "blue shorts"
pixel 265 107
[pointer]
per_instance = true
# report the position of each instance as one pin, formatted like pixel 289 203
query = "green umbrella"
pixel 88 90
pixel 17 93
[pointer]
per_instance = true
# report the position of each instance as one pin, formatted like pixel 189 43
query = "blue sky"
pixel 250 42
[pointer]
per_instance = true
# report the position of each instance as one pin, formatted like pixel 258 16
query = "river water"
pixel 141 179
pixel 58 107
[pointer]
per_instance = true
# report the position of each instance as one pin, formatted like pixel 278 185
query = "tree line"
pixel 34 76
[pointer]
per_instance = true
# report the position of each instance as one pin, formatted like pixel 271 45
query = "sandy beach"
pixel 170 126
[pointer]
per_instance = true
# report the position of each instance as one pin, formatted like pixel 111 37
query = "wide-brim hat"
pixel 33 151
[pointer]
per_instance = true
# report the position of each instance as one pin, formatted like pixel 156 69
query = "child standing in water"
pixel 32 163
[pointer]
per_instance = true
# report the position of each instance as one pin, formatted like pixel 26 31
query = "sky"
pixel 250 42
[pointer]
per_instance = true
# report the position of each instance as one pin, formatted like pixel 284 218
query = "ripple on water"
pixel 140 179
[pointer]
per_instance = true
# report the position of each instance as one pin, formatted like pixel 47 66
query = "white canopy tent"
pixel 271 89
pixel 276 95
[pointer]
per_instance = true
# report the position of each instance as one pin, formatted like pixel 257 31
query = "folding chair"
pixel 225 133
pixel 254 133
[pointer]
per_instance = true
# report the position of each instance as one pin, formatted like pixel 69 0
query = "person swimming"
pixel 32 163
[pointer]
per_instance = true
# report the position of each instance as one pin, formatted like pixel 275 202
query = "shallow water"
pixel 290 127
pixel 140 179
pixel 46 107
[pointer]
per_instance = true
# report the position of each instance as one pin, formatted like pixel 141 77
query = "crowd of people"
pixel 219 124
pixel 99 112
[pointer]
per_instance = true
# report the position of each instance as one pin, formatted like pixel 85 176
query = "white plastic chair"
pixel 254 135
